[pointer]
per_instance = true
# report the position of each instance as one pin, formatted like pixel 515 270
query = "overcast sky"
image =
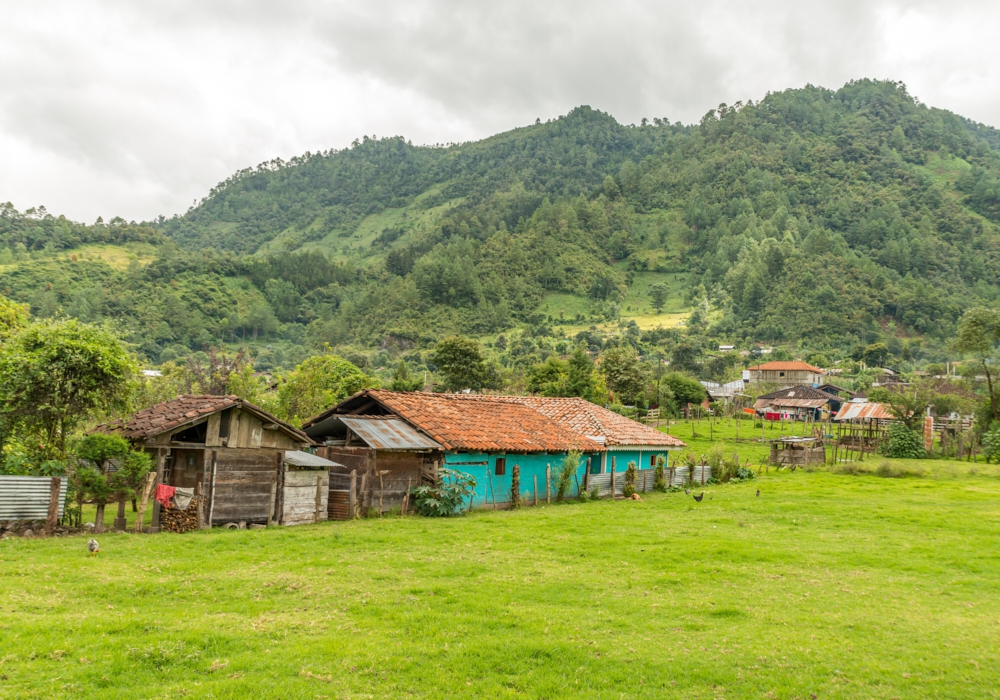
pixel 113 107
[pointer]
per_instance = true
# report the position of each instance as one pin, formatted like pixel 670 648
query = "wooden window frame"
pixel 500 468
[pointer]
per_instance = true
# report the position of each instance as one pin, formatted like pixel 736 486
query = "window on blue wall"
pixel 652 461
pixel 501 468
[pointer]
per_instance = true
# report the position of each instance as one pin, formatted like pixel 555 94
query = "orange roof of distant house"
pixel 786 367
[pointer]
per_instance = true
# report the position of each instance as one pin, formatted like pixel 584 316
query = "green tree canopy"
pixel 56 375
pixel 979 336
pixel 658 294
pixel 685 389
pixel 462 365
pixel 317 384
pixel 624 373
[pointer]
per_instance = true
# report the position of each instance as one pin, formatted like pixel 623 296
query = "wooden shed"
pixel 305 485
pixel 230 451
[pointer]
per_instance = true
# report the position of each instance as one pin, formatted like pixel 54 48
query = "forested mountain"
pixel 818 219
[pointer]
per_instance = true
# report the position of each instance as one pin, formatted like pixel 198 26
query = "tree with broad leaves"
pixel 979 336
pixel 55 375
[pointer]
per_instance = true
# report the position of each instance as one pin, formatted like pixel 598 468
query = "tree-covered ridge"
pixel 819 218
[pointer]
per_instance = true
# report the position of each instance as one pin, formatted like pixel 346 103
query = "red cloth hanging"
pixel 164 493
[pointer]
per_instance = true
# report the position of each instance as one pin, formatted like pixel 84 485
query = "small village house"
pixel 797 403
pixel 248 466
pixel 783 375
pixel 397 440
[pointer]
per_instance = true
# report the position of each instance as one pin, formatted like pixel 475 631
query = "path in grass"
pixel 833 585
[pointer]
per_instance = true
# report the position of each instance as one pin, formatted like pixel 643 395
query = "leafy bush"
pixel 630 474
pixel 902 443
pixel 447 498
pixel 659 476
pixel 564 476
pixel 991 444
pixel 744 474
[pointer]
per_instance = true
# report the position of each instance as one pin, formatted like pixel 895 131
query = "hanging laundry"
pixel 164 493
pixel 182 498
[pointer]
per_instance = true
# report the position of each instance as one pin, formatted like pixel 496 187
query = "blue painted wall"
pixel 482 466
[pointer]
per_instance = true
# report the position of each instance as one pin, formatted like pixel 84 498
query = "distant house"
pixel 784 374
pixel 726 393
pixel 411 435
pixel 248 464
pixel 797 403
pixel 726 348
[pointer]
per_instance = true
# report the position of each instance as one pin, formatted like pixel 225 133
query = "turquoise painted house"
pixel 486 437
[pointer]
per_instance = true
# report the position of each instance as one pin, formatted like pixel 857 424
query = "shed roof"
pixel 388 433
pixel 778 366
pixel 467 422
pixel 862 410
pixel 305 459
pixel 188 408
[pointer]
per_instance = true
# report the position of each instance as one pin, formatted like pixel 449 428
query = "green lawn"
pixel 827 585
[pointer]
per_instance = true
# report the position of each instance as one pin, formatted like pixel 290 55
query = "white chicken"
pixel 93 548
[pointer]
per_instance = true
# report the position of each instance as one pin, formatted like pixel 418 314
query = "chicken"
pixel 758 493
pixel 93 548
pixel 699 496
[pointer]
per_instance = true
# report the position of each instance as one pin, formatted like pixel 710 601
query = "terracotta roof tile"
pixel 786 367
pixel 186 408
pixel 482 423
pixel 586 418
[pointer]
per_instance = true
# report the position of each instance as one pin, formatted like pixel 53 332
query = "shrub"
pixel 659 476
pixel 564 476
pixel 447 498
pixel 902 443
pixel 629 487
pixel 991 444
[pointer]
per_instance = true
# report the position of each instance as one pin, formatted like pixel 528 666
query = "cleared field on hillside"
pixel 827 585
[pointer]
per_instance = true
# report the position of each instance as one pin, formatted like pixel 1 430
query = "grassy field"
pixel 827 585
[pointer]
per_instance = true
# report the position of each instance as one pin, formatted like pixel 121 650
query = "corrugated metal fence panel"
pixel 27 497
pixel 681 476
pixel 644 479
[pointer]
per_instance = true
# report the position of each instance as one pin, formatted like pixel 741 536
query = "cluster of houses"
pixel 800 391
pixel 248 467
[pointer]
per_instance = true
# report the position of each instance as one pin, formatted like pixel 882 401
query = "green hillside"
pixel 813 219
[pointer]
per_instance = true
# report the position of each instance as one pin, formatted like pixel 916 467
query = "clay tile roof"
pixel 586 418
pixel 481 423
pixel 187 408
pixel 786 367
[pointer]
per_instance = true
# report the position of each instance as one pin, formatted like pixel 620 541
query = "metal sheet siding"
pixel 27 497
pixel 389 434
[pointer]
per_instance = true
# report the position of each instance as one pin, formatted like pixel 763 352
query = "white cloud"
pixel 118 108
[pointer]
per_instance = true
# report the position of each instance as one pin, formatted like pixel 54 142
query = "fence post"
pixel 614 486
pixel 161 458
pixel 352 495
pixel 319 498
pixel 548 481
pixel 53 514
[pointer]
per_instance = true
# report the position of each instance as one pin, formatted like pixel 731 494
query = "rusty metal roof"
pixel 382 433
pixel 862 410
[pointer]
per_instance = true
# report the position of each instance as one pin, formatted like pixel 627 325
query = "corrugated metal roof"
pixel 856 410
pixel 304 459
pixel 27 497
pixel 388 433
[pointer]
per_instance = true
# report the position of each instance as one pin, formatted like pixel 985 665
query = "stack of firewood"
pixel 176 520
